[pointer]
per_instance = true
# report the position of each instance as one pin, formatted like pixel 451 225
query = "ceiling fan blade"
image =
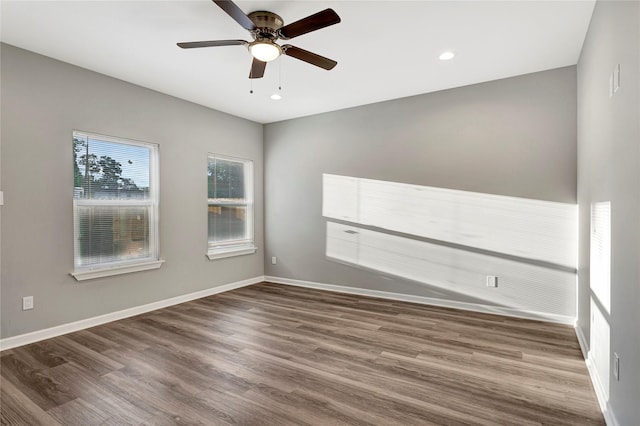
pixel 313 22
pixel 257 68
pixel 310 57
pixel 212 43
pixel 236 13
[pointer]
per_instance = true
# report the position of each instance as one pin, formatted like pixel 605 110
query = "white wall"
pixel 609 204
pixel 43 101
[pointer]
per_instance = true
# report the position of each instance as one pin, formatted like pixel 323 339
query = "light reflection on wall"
pixel 532 229
pixel 524 286
pixel 453 239
pixel 600 262
pixel 600 282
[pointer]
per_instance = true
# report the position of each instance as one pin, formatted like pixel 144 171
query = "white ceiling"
pixel 384 49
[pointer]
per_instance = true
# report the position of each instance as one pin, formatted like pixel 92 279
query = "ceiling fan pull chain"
pixel 280 75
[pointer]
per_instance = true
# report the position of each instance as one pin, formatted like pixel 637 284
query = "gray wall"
pixel 514 137
pixel 43 101
pixel 609 170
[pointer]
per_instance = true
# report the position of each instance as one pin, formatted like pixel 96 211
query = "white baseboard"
pixel 47 333
pixel 476 307
pixel 605 406
pixel 584 347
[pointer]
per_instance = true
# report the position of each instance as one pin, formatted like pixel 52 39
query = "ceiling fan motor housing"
pixel 267 24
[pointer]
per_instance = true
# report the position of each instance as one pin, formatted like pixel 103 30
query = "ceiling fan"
pixel 267 27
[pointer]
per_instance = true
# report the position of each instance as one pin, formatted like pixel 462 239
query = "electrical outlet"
pixel 616 366
pixel 492 281
pixel 274 260
pixel 27 303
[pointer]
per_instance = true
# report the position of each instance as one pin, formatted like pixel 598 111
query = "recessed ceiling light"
pixel 445 56
pixel 276 97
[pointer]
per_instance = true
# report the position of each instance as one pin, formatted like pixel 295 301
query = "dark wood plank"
pixel 35 384
pixel 18 409
pixel 93 390
pixel 279 355
pixel 79 412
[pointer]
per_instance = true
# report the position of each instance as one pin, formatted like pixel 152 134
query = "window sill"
pixel 221 253
pixel 116 270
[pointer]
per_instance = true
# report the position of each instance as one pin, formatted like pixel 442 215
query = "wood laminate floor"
pixel 270 354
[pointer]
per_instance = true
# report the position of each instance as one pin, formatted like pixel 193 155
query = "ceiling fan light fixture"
pixel 264 51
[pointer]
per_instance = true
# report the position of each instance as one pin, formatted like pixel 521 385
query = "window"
pixel 230 206
pixel 115 206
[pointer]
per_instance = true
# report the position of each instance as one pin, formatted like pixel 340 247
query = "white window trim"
pixel 226 249
pixel 90 274
pixel 124 267
pixel 239 250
